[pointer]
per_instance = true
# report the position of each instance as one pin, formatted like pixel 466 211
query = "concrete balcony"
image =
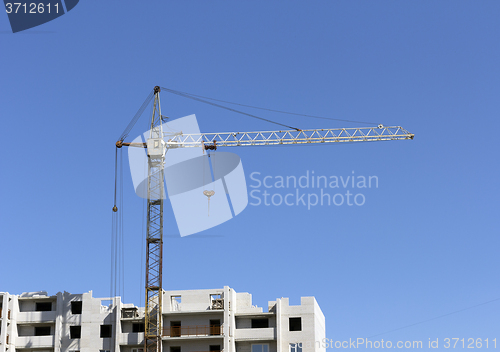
pixel 255 334
pixel 34 341
pixel 132 338
pixel 193 331
pixel 36 317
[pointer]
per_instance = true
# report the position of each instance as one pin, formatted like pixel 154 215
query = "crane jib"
pixel 232 139
pixel 210 141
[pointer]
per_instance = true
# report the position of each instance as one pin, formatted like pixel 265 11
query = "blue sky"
pixel 424 244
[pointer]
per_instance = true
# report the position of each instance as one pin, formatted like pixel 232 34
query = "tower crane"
pixel 156 148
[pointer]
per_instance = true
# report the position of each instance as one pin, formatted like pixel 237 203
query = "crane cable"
pixel 201 99
pixel 195 96
pixel 114 220
pixel 117 244
pixel 190 96
pixel 136 116
pixel 117 281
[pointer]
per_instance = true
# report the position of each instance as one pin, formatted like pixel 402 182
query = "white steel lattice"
pixel 233 139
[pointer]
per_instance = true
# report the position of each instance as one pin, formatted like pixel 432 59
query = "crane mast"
pixel 154 234
pixel 157 145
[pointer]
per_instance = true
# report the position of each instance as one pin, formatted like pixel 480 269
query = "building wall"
pixel 312 325
pixel 4 311
pixel 196 309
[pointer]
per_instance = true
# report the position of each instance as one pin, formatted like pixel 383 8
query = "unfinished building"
pixel 193 321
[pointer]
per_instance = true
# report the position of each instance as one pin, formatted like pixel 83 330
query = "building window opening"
pixel 43 306
pixel 129 313
pixel 295 324
pixel 175 349
pixel 76 307
pixel 176 302
pixel 214 348
pixel 215 328
pixel 42 330
pixel 138 327
pixel 175 329
pixel 296 347
pixel 260 348
pixel 75 332
pixel 105 331
pixel 260 323
pixel 216 301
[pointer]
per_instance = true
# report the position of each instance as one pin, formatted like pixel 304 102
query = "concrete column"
pixel 279 325
pixel 117 324
pixel 59 324
pixel 3 322
pixel 228 326
pixel 13 306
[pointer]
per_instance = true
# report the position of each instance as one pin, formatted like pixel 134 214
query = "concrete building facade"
pixel 193 321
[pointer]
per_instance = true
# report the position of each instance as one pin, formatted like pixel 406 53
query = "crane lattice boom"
pixel 233 139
